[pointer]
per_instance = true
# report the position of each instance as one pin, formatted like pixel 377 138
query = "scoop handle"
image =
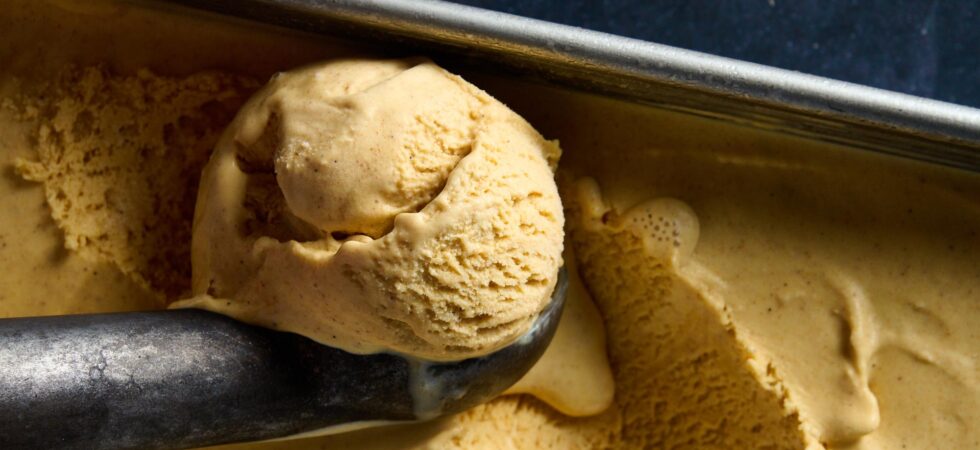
pixel 175 379
pixel 189 378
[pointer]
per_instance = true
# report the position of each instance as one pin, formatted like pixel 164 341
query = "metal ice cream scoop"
pixel 185 378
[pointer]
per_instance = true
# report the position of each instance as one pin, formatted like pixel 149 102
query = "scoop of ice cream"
pixel 354 144
pixel 380 205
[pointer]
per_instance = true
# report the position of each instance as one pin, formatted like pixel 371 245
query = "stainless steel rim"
pixel 693 82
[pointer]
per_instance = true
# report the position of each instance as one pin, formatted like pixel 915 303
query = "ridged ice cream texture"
pixel 380 206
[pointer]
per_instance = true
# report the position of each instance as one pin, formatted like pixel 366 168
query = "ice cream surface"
pixel 113 212
pixel 380 206
pixel 756 290
pixel 817 299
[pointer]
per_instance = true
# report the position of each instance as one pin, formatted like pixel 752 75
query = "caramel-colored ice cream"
pixel 380 206
pixel 755 290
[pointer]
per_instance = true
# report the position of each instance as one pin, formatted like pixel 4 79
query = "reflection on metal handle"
pixel 175 379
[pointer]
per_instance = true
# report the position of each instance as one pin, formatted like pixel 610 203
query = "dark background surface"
pixel 929 48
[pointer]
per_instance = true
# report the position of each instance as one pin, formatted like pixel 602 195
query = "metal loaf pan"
pixel 667 77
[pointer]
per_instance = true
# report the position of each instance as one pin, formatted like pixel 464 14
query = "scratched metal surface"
pixel 929 48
